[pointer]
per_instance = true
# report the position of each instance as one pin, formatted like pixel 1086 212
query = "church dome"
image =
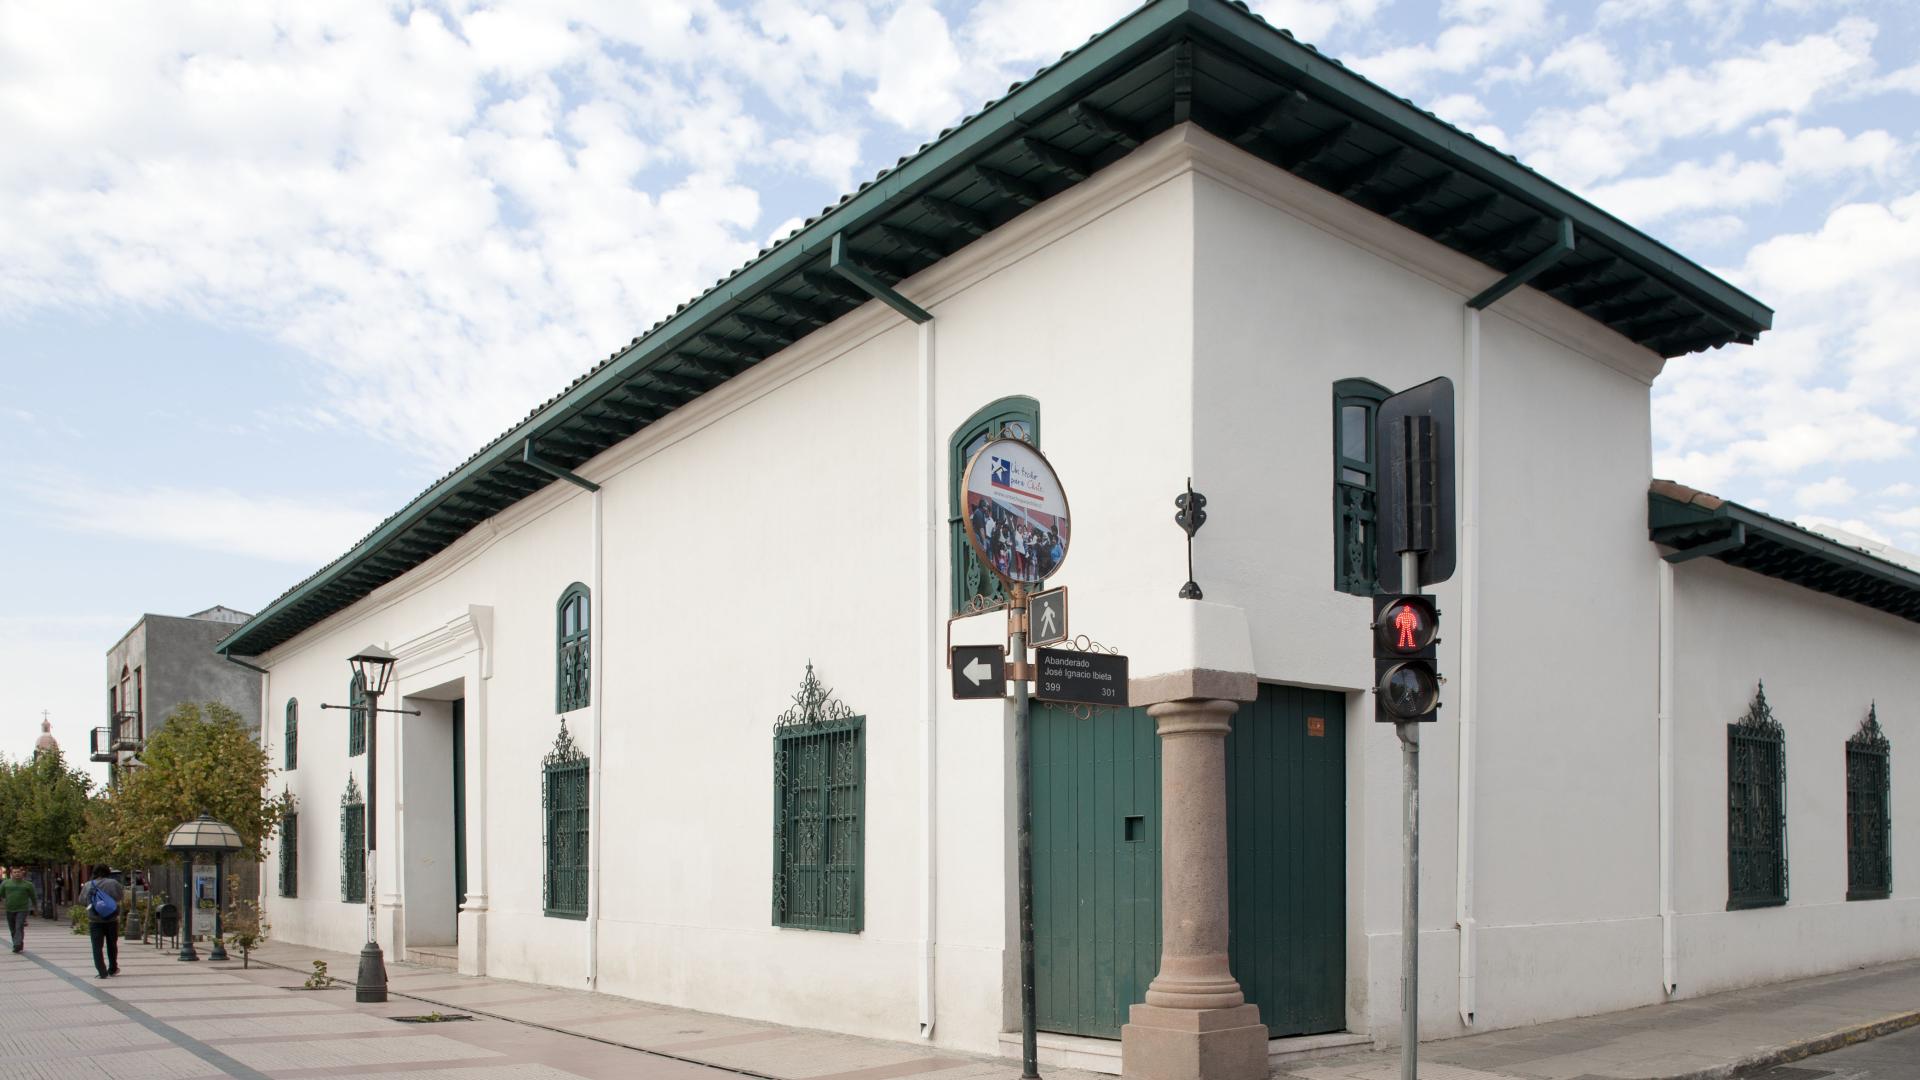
pixel 46 740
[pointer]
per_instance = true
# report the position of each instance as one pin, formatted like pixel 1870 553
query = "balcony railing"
pixel 101 744
pixel 126 731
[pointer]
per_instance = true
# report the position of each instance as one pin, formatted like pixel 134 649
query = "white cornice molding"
pixel 463 635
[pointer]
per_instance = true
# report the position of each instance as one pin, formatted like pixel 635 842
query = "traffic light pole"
pixel 1409 732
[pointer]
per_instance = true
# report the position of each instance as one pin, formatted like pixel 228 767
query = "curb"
pixel 1805 1048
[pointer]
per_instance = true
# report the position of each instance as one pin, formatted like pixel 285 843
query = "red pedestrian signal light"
pixel 1406 629
pixel 1405 626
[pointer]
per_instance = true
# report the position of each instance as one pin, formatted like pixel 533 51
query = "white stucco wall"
pixel 1184 313
pixel 731 561
pixel 1823 661
pixel 1296 289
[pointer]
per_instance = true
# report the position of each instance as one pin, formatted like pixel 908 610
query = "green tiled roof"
pixel 1698 525
pixel 1206 61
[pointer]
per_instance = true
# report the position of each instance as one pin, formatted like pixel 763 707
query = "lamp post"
pixel 374 666
pixel 189 838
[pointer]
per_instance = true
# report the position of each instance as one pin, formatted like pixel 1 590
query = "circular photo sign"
pixel 1016 512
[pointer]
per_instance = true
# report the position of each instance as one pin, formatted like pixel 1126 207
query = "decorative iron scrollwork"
pixel 1756 807
pixel 565 751
pixel 1759 715
pixel 1869 811
pixel 351 797
pixel 813 706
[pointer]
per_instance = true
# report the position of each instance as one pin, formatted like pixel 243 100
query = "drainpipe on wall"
pixel 1469 680
pixel 596 672
pixel 930 665
pixel 1469 474
pixel 1669 975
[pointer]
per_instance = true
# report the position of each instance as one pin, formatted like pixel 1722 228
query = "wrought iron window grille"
pixel 353 844
pixel 293 733
pixel 564 798
pixel 1356 403
pixel 357 716
pixel 290 855
pixel 974 586
pixel 573 645
pixel 1756 808
pixel 819 780
pixel 1869 811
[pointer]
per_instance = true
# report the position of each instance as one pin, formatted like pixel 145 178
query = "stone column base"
pixel 1193 1044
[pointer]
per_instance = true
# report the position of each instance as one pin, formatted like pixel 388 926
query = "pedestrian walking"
pixel 18 894
pixel 102 897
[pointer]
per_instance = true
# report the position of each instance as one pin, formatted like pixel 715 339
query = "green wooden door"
pixel 1287 857
pixel 1096 866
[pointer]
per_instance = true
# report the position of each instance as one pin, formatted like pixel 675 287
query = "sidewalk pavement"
pixel 165 1020
pixel 1739 1033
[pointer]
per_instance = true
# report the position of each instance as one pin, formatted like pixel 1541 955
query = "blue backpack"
pixel 102 904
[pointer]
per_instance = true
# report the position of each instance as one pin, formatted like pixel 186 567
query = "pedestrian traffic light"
pixel 1406 629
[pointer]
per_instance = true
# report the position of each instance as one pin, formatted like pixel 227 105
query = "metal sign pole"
pixel 1409 732
pixel 1023 802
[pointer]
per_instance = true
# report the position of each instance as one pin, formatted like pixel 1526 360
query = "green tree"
pixel 203 760
pixel 45 807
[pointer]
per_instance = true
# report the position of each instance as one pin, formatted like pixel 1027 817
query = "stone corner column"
pixel 1195 1023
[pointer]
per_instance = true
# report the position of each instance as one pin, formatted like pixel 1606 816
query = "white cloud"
pixel 1730 182
pixel 1592 143
pixel 303 532
pixel 1477 31
pixel 1709 231
pixel 1832 491
pixel 1586 63
pixel 1846 530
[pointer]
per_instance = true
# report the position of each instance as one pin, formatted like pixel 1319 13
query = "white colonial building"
pixel 678 640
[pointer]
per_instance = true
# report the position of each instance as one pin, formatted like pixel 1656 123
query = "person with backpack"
pixel 102 897
pixel 18 893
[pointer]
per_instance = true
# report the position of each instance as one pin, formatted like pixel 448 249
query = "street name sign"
pixel 1016 514
pixel 979 671
pixel 1083 678
pixel 1047 617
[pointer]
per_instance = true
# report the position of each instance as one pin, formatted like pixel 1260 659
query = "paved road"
pixel 1895 1057
pixel 161 1019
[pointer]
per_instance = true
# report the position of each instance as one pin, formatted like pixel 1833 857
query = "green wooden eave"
pixel 1697 525
pixel 1209 62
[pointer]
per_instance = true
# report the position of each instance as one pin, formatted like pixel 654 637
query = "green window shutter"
pixel 1010 417
pixel 353 845
pixel 819 800
pixel 1356 405
pixel 1756 808
pixel 564 803
pixel 1869 812
pixel 290 856
pixel 293 733
pixel 573 649
pixel 357 716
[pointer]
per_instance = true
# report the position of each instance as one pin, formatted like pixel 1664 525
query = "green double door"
pixel 1096 859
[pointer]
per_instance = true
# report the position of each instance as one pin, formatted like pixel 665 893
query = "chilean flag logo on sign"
pixel 1002 473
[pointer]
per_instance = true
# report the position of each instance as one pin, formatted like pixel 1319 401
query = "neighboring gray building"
pixel 162 662
pixel 165 660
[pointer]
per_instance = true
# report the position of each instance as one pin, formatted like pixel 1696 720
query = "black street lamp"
pixel 218 839
pixel 374 668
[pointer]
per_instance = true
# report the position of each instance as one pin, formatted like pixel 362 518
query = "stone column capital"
pixel 1193 716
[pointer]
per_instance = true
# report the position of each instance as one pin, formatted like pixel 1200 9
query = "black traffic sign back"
pixel 1084 678
pixel 979 671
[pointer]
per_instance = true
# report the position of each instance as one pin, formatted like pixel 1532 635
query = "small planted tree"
pixel 202 760
pixel 43 809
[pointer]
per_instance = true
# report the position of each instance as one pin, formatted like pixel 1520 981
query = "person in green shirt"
pixel 18 894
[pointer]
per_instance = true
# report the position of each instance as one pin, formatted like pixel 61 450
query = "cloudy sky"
pixel 266 270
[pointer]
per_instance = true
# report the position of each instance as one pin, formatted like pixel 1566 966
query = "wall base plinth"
pixel 1193 1044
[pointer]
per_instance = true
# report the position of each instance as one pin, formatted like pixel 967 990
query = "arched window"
pixel 357 716
pixel 1007 418
pixel 293 733
pixel 573 627
pixel 1356 491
